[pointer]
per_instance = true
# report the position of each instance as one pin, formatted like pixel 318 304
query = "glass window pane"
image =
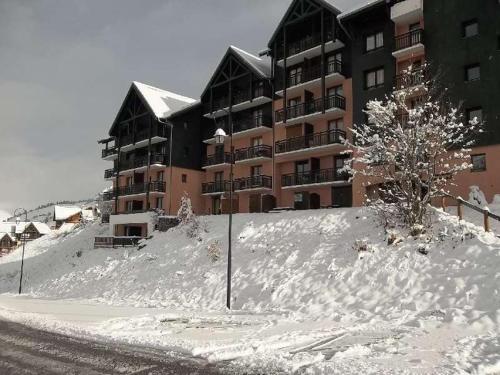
pixel 370 43
pixel 370 79
pixel 473 73
pixel 471 29
pixel 380 40
pixel 380 76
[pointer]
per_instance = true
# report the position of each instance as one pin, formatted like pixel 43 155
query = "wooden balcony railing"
pixel 260 151
pixel 310 107
pixel 240 96
pixel 253 182
pixel 142 161
pixel 410 39
pixel 109 173
pixel 155 186
pixel 112 242
pixel 310 140
pixel 251 122
pixel 314 177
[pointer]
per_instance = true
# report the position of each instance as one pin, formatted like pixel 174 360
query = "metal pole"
pixel 24 245
pixel 171 172
pixel 231 187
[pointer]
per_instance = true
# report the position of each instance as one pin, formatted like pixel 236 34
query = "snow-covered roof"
pixel 2 235
pixel 65 212
pixel 162 102
pixel 7 227
pixel 17 228
pixel 261 65
pixel 359 8
pixel 184 109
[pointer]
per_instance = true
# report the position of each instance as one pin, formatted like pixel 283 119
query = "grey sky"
pixel 66 65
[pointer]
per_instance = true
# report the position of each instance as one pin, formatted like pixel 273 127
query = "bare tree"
pixel 415 142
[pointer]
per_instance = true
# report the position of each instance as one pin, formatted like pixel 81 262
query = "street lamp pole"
pixel 21 210
pixel 220 136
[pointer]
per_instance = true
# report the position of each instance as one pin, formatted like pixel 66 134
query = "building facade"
pixel 287 111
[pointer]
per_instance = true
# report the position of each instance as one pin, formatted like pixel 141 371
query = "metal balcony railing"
pixel 310 107
pixel 410 39
pixel 253 182
pixel 260 151
pixel 158 130
pixel 414 78
pixel 215 187
pixel 303 44
pixel 217 158
pixel 314 177
pixel 310 140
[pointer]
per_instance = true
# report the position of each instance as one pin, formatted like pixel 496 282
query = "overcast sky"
pixel 66 65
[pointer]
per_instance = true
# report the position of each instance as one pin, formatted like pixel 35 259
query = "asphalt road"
pixel 25 350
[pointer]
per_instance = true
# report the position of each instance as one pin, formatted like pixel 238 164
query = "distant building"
pixel 7 243
pixel 67 214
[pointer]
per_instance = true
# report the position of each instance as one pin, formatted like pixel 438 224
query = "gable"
pixel 300 9
pixel 132 107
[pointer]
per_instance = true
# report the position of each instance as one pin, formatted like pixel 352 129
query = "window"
pixel 129 181
pixel 184 178
pixel 334 63
pixel 256 170
pixel 414 26
pixel 475 113
pixel 374 78
pixel 130 206
pixel 295 76
pixel 256 141
pixel 159 203
pixel 470 28
pixel 374 41
pixel 478 162
pixel 258 117
pixel 293 101
pixel 218 176
pixel 472 72
pixel 186 151
pixel 337 124
pixel 336 90
pixel 159 176
pixel 302 167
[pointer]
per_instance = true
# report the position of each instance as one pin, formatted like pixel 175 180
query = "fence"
pixel 487 215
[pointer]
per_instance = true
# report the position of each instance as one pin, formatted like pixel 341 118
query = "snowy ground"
pixel 304 299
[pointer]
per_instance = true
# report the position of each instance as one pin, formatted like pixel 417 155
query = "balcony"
pixel 307 48
pixel 242 99
pixel 215 188
pixel 110 153
pixel 253 183
pixel 254 154
pixel 136 189
pixel 409 45
pixel 407 11
pixel 308 110
pixel 109 174
pixel 219 159
pixel 247 126
pixel 413 79
pixel 332 176
pixel 312 76
pixel 142 162
pixel 316 143
pixel 140 138
pixel 115 241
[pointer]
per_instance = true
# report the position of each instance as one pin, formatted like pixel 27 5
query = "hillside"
pixel 305 265
pixel 44 212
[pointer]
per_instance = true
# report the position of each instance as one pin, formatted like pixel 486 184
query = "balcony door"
pixel 138 178
pixel 302 172
pixel 295 76
pixel 335 130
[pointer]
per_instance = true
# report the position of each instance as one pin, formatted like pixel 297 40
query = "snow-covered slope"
pixel 45 212
pixel 401 309
pixel 298 261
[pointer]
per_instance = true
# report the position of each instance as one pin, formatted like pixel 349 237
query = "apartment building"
pixel 149 173
pixel 238 100
pixel 286 112
pixel 312 107
pixel 460 42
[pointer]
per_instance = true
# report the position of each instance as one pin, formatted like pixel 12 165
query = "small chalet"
pixel 67 214
pixel 7 243
pixel 31 230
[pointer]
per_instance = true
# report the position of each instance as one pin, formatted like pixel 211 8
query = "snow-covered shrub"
pixel 477 197
pixel 360 246
pixel 214 251
pixel 410 151
pixel 185 213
